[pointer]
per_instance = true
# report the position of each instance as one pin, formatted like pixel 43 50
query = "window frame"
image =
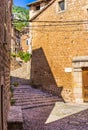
pixel 58 6
pixel 61 5
pixel 27 42
pixel 37 7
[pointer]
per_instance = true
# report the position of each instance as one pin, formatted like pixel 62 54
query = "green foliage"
pixel 21 54
pixel 13 55
pixel 11 89
pixel 21 13
pixel 12 102
pixel 25 56
pixel 16 84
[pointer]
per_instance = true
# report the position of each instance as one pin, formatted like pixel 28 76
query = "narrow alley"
pixel 44 65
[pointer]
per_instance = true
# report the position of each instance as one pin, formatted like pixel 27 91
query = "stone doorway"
pixel 79 63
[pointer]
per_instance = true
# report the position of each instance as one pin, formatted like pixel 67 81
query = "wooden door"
pixel 85 84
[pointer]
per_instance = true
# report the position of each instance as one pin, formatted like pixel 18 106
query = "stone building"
pixel 15 40
pixel 60 47
pixel 25 40
pixel 5 36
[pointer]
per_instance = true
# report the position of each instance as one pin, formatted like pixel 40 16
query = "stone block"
pixel 15 119
pixel 78 90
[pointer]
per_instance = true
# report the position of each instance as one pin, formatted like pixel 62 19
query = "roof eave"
pixel 34 3
pixel 35 16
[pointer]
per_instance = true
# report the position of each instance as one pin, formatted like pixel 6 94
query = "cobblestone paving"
pixel 37 106
pixel 35 120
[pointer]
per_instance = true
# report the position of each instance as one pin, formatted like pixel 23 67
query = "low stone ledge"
pixel 15 119
pixel 80 59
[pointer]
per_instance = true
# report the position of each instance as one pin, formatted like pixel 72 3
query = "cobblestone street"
pixel 37 107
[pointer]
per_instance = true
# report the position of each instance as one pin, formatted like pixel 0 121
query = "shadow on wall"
pixel 19 81
pixel 41 75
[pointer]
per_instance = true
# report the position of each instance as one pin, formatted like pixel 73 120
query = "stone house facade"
pixel 15 40
pixel 5 36
pixel 25 40
pixel 60 47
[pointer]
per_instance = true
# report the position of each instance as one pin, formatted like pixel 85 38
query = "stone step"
pixel 22 91
pixel 29 93
pixel 37 105
pixel 15 119
pixel 23 87
pixel 33 99
pixel 35 102
pixel 26 88
pixel 30 96
pixel 31 90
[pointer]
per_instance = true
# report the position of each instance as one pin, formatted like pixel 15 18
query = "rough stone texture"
pixel 15 41
pixel 35 116
pixel 25 96
pixel 5 31
pixel 25 46
pixel 14 64
pixel 78 64
pixel 15 119
pixel 25 40
pixel 22 74
pixel 62 110
pixel 55 45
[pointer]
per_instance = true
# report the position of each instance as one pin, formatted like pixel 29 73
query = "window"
pixel 38 7
pixel 27 42
pixel 61 5
pixel 87 11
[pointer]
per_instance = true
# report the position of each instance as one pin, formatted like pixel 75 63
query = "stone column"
pixel 78 63
pixel 77 85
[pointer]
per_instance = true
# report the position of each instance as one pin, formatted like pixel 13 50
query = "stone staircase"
pixel 43 111
pixel 28 97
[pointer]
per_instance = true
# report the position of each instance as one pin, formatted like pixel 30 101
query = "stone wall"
pixel 24 42
pixel 5 25
pixel 15 41
pixel 21 75
pixel 15 64
pixel 55 44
